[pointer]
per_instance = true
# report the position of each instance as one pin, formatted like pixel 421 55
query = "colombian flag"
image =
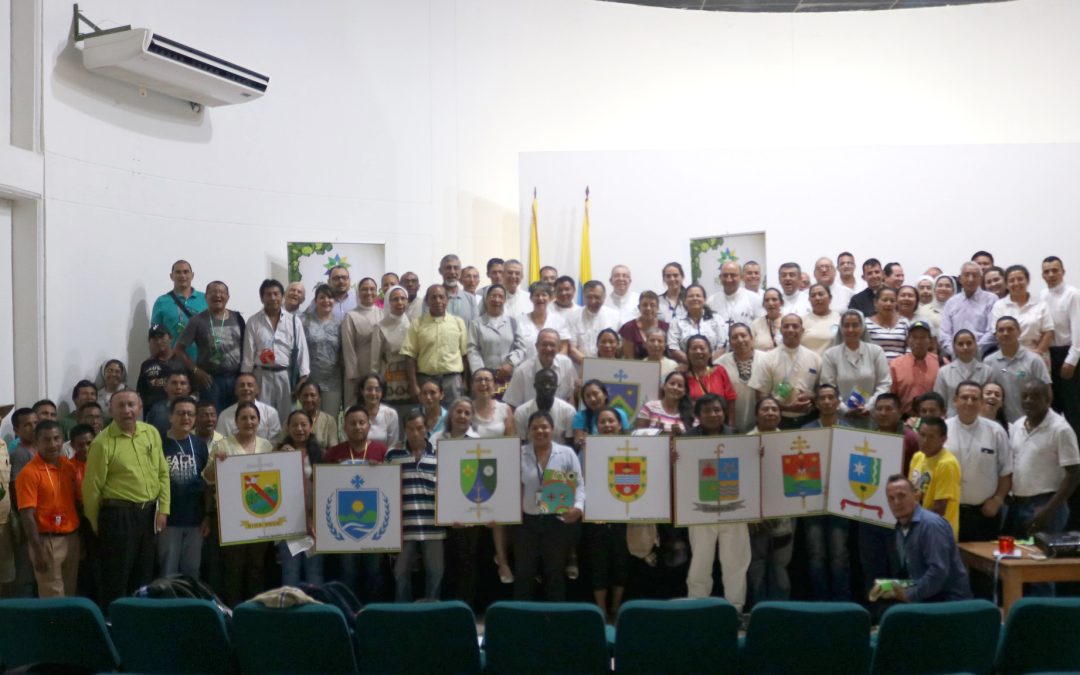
pixel 585 263
pixel 534 247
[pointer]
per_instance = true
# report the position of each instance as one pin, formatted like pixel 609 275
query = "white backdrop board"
pixel 261 497
pixel 794 471
pixel 717 480
pixel 709 253
pixel 627 479
pixel 479 481
pixel 629 383
pixel 357 508
pixel 862 461
pixel 310 262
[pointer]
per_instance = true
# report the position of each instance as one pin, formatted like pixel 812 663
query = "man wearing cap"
pixel 154 371
pixel 126 482
pixel 914 373
pixel 174 309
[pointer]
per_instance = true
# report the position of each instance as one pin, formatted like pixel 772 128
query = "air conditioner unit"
pixel 146 59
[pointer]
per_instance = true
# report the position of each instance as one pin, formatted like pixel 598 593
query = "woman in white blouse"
pixel 858 369
pixel 740 363
pixel 491 419
pixel 1036 325
pixel 531 323
pixel 766 329
pixel 698 320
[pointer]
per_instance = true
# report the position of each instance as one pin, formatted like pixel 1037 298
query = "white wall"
pixel 7 344
pixel 404 121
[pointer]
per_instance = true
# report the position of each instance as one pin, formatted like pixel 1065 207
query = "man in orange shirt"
pixel 914 373
pixel 46 494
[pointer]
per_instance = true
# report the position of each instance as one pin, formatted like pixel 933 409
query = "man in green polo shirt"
pixel 127 477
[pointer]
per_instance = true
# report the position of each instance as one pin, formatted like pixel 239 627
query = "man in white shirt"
pixel 594 317
pixel 517 297
pixel 247 390
pixel 795 301
pixel 622 299
pixel 751 278
pixel 547 356
pixel 733 304
pixel 845 266
pixel 549 274
pixel 1046 465
pixel 562 413
pixel 825 274
pixel 269 340
pixel 411 283
pixel 564 305
pixel 982 448
pixel 790 373
pixel 894 275
pixel 1064 304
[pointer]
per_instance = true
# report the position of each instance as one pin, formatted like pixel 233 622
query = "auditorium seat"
pixel 677 636
pixel 545 637
pixel 447 632
pixel 942 637
pixel 1040 635
pixel 170 635
pixel 301 639
pixel 807 637
pixel 55 630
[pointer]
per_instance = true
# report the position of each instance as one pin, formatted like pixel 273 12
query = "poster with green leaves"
pixel 709 253
pixel 310 262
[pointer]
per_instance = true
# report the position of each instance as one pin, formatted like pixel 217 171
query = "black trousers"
pixel 1066 392
pixel 974 526
pixel 127 549
pixel 541 544
pixel 464 542
pixel 245 566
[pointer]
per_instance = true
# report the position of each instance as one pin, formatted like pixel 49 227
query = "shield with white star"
pixel 864 475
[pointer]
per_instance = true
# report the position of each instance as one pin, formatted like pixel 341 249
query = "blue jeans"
pixel 180 551
pixel 369 567
pixel 295 568
pixel 432 553
pixel 1018 517
pixel 827 557
pixel 222 391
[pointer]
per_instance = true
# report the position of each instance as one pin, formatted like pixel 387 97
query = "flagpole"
pixel 585 259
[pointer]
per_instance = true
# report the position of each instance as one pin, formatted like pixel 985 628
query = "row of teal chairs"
pixel 667 636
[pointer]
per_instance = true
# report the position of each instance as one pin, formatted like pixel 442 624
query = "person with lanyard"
pixel 697 320
pixel 358 343
pixel 275 350
pixel 986 464
pixel 180 543
pixel 174 309
pixel 358 448
pixel 127 478
pixel 671 300
pixel 702 376
pixel 305 565
pixel 673 412
pixel 421 537
pixel 386 347
pixel 218 335
pixel 728 542
pixel 740 364
pixel 1014 365
pixel 324 428
pixel 965 367
pixel 828 562
pixel 928 554
pixel 47 492
pixel 789 374
pixel 244 563
pixel 635 331
pixel 323 332
pixel 552 501
pixel 1036 324
pixel 766 328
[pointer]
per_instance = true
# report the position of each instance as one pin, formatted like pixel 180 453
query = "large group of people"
pixel 974 371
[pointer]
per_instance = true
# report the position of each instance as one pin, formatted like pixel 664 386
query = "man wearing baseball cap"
pixel 913 374
pixel 155 370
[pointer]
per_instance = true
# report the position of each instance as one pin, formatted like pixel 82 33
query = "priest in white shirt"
pixel 564 305
pixel 986 464
pixel 825 274
pixel 1064 304
pixel 751 278
pixel 795 301
pixel 845 265
pixel 622 299
pixel 517 298
pixel 594 317
pixel 732 303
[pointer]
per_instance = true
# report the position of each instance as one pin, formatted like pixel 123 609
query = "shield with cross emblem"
pixel 629 383
pixel 358 510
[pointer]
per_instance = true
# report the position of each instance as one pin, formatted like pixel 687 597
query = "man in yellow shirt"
pixel 435 347
pixel 935 473
pixel 127 478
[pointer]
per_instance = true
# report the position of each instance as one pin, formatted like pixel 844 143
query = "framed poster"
pixel 627 479
pixel 794 472
pixel 479 481
pixel 310 262
pixel 357 508
pixel 717 480
pixel 709 253
pixel 862 461
pixel 629 383
pixel 261 498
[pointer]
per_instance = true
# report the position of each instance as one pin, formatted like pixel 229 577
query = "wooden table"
pixel 1015 572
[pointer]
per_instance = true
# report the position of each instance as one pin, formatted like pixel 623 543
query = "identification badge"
pixel 540 505
pixel 58 520
pixel 216 357
pixel 266 357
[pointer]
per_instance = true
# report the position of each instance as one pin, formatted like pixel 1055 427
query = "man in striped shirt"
pixel 420 534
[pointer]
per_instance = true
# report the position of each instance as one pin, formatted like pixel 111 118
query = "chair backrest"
pixel 940 637
pixel 55 630
pixel 676 636
pixel 449 638
pixel 807 637
pixel 1041 635
pixel 302 639
pixel 159 635
pixel 545 637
